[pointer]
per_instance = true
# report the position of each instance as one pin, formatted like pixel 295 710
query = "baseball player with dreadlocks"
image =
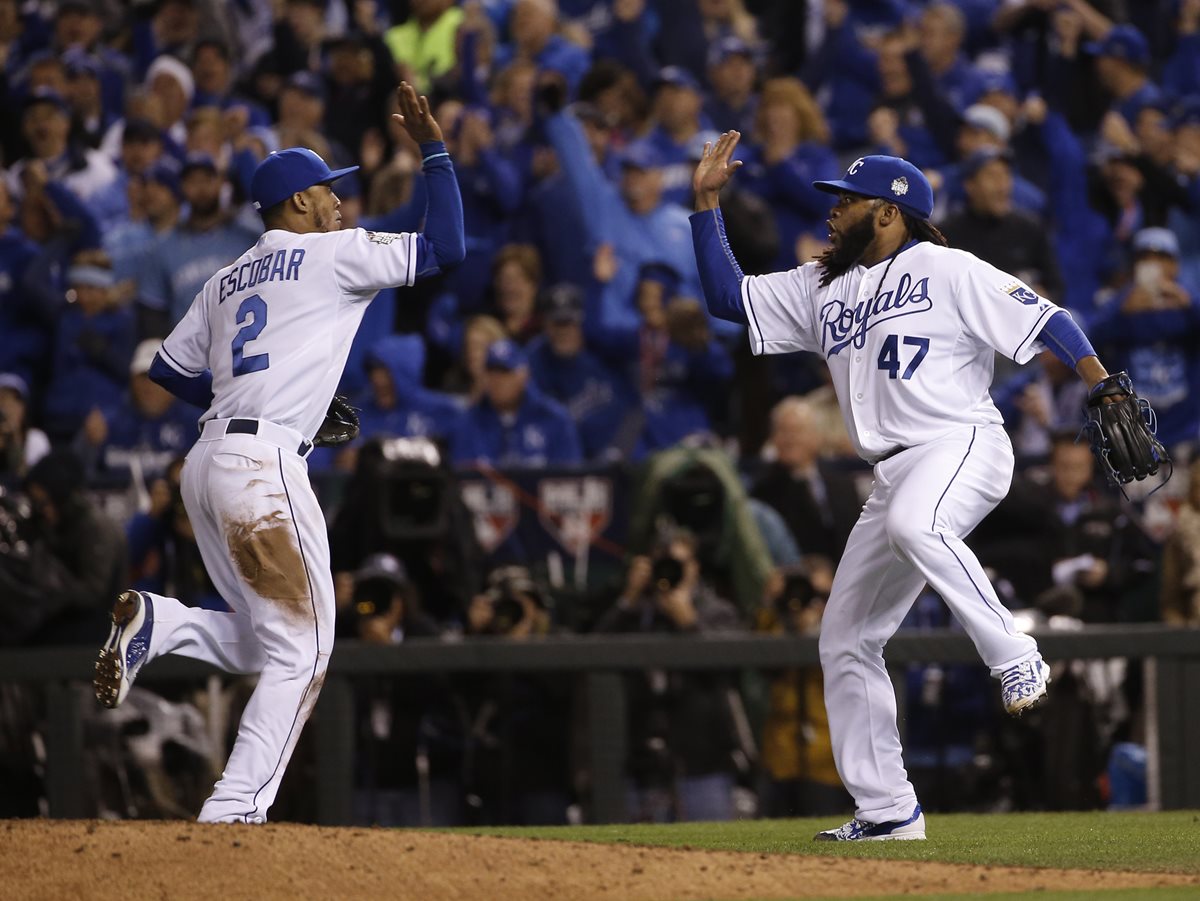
pixel 261 349
pixel 908 327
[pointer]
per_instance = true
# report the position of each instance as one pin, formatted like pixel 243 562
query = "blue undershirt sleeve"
pixel 1065 339
pixel 720 275
pixel 442 244
pixel 196 390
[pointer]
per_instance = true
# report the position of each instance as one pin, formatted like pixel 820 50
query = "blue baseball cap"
pixel 887 178
pixel 640 155
pixel 730 45
pixel 1156 240
pixel 166 173
pixel 505 355
pixel 287 172
pixel 1122 42
pixel 677 77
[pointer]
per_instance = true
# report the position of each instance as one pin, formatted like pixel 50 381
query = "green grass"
pixel 1166 842
pixel 1124 894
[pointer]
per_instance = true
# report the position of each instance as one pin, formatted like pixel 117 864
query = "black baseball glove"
pixel 1121 431
pixel 340 425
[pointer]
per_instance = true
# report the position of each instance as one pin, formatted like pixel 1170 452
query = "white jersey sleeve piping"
pixel 1025 351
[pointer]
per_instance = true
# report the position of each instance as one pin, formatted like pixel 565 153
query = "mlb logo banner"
pixel 575 511
pixel 495 511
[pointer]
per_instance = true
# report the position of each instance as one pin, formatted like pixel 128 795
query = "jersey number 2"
pixel 889 355
pixel 254 308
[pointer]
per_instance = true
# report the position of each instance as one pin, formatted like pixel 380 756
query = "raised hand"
pixel 715 169
pixel 414 115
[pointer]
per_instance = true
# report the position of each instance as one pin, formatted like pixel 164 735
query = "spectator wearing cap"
pixel 491 192
pixel 1089 240
pixel 21 445
pixel 93 345
pixel 985 130
pixel 301 123
pixel 156 201
pixel 680 371
pixel 595 397
pixel 853 77
pixel 46 126
pixel 1185 123
pixel 693 26
pixel 135 440
pixel 424 43
pixel 630 216
pixel 533 25
pixel 78 31
pixel 359 78
pixel 213 75
pixel 789 151
pixel 398 405
pixel 1122 62
pixel 732 74
pixel 1152 330
pixel 678 117
pixel 24 334
pixel 409 762
pixel 1181 72
pixel 171 86
pixel 83 93
pixel 555 223
pixel 186 257
pixel 991 226
pixel 514 424
pixel 941 31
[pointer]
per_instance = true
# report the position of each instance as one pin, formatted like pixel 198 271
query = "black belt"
pixel 890 454
pixel 250 427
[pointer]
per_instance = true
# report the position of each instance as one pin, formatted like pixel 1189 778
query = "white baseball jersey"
pixel 911 356
pixel 275 326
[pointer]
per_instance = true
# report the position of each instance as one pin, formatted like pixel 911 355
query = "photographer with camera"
pixel 672 776
pixel 799 777
pixel 61 559
pixel 518 757
pixel 402 499
pixel 410 727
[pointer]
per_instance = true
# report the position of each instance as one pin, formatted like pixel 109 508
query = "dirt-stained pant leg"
pixel 259 526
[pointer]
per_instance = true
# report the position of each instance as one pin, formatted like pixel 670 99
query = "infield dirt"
pixel 182 861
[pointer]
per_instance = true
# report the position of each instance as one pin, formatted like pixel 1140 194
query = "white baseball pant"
pixel 263 539
pixel 925 501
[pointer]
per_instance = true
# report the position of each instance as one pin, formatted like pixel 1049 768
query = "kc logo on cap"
pixel 888 178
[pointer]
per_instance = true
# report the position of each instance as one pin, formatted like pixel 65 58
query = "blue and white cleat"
pixel 912 829
pixel 1024 685
pixel 126 650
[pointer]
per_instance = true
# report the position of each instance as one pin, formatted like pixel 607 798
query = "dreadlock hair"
pixel 922 230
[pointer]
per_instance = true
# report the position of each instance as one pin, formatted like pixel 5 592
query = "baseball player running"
pixel 262 349
pixel 908 327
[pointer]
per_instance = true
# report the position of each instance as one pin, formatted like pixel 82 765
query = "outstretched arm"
pixel 720 275
pixel 442 244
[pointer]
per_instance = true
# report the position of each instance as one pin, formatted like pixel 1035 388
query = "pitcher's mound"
pixel 183 861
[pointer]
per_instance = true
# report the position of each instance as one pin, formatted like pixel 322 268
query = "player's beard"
pixel 852 244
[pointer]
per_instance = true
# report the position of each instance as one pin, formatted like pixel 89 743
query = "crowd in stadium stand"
pixel 1062 139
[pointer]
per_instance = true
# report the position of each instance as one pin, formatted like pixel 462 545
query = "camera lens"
pixel 666 572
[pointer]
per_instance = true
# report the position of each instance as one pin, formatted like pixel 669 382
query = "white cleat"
pixel 1023 686
pixel 126 650
pixel 912 829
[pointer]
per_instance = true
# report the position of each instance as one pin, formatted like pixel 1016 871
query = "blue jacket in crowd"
pixel 662 235
pixel 24 340
pixel 540 433
pixel 91 366
pixel 595 397
pixel 181 261
pixel 419 412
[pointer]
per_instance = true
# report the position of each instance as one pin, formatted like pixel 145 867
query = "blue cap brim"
pixel 836 187
pixel 337 173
